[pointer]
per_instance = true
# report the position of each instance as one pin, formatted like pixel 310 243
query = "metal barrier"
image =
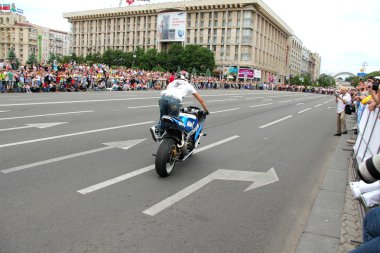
pixel 368 140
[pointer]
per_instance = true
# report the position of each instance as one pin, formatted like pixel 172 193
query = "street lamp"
pixel 222 56
pixel 134 58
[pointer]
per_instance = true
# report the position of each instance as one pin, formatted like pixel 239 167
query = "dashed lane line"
pixel 276 121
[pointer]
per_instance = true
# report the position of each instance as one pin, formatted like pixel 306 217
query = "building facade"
pixel 242 33
pixel 26 38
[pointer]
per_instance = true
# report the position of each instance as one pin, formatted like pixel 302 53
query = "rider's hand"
pixel 207 112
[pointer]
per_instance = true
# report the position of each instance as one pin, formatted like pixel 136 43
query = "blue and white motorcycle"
pixel 180 139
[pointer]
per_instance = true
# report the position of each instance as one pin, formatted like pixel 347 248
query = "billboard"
pixel 246 73
pixel 171 26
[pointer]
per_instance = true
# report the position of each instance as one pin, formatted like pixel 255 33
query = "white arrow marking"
pixel 73 134
pixel 121 144
pixel 44 115
pixel 143 170
pixel 259 179
pixel 39 125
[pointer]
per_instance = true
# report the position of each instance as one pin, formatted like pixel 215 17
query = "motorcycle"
pixel 180 139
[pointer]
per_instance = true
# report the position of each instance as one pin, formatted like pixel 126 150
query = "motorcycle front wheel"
pixel 166 157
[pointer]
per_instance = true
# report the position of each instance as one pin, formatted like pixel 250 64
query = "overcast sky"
pixel 345 33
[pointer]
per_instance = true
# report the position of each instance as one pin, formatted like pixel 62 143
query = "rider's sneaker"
pixel 155 133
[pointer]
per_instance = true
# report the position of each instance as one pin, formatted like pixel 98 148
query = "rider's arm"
pixel 201 101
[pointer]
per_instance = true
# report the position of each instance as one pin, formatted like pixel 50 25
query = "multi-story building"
pixel 295 55
pixel 242 33
pixel 305 62
pixel 26 38
pixel 315 66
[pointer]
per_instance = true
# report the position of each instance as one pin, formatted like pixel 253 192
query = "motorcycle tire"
pixel 166 157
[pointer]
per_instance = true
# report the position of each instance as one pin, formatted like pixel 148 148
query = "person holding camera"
pixel 342 99
pixel 373 85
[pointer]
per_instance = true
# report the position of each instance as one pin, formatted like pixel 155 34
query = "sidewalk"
pixel 334 224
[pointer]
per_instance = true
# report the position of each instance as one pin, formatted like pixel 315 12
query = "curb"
pixel 322 232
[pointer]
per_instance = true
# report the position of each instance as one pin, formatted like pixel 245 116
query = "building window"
pixel 247 18
pixel 246 37
pixel 238 19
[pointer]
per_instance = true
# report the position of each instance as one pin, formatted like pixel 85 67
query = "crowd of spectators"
pixel 99 77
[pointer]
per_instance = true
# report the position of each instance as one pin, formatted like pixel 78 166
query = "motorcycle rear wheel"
pixel 166 157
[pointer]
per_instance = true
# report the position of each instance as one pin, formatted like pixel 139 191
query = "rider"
pixel 171 98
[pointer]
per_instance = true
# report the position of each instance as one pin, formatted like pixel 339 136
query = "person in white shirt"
pixel 171 99
pixel 342 99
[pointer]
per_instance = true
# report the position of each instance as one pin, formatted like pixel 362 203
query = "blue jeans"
pixel 2 87
pixel 371 233
pixel 168 106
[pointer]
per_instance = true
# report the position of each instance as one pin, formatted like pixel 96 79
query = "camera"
pixel 369 170
pixel 375 85
pixel 336 93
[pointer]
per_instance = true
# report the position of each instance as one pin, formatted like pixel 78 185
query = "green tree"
pixel 11 56
pixel 32 59
pixel 174 57
pixel 325 80
pixel 51 58
pixel 149 59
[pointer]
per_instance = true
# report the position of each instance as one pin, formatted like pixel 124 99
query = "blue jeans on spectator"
pixel 168 106
pixel 2 86
pixel 371 233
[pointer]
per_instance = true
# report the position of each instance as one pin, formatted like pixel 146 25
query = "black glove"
pixel 207 112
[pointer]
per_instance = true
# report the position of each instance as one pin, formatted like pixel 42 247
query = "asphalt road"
pixel 63 190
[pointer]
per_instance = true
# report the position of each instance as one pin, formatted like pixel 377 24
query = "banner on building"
pixel 246 73
pixel 171 26
pixel 10 8
pixel 257 73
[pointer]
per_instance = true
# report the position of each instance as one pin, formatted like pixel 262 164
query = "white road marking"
pixel 78 101
pixel 121 144
pixel 258 178
pixel 284 101
pixel 38 125
pixel 143 170
pixel 221 100
pixel 318 105
pixel 269 99
pixel 254 98
pixel 73 134
pixel 4 111
pixel 233 109
pixel 304 110
pixel 261 105
pixel 44 115
pixel 276 121
pixel 300 103
pixel 144 106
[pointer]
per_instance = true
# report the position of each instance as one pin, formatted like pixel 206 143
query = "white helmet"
pixel 183 75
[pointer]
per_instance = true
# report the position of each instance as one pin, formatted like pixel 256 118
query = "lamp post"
pixel 222 57
pixel 134 58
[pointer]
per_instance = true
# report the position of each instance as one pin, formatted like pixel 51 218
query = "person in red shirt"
pixel 171 78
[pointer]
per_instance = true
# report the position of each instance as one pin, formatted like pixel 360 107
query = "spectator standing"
pixel 342 99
